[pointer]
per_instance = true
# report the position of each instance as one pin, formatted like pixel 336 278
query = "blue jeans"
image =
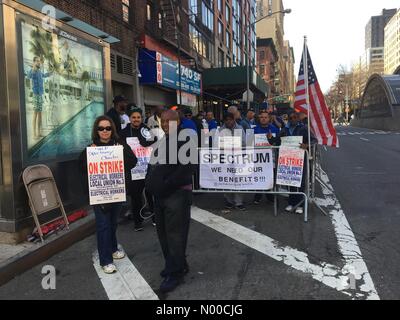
pixel 106 230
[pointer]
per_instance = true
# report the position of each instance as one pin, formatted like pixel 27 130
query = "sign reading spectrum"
pixel 106 174
pixel 236 170
pixel 143 156
pixel 290 167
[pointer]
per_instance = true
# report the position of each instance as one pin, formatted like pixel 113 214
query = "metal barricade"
pixel 43 195
pixel 275 192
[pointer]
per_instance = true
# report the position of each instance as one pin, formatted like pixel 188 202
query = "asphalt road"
pixel 271 257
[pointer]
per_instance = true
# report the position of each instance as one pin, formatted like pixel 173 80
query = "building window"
pixel 220 31
pixel 125 10
pixel 207 16
pixel 227 14
pixel 262 55
pixel 160 21
pixel 220 58
pixel 193 10
pixel 148 12
pixel 262 70
pixel 228 39
pixel 221 6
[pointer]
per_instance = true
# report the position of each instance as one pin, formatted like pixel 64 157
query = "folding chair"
pixel 43 195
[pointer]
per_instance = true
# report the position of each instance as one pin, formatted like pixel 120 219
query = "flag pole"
pixel 305 65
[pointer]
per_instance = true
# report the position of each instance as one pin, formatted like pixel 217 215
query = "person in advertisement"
pixel 137 129
pixel 37 77
pixel 294 127
pixel 104 133
pixel 170 181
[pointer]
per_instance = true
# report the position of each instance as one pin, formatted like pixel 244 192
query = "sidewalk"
pixel 16 259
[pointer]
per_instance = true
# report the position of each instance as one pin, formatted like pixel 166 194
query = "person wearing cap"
pixel 137 129
pixel 187 122
pixel 250 118
pixel 117 112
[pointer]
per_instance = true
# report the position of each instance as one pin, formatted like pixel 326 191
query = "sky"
pixel 335 31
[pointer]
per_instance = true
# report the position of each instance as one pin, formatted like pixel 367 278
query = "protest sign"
pixel 293 141
pixel 261 140
pixel 249 169
pixel 230 142
pixel 143 156
pixel 106 174
pixel 290 167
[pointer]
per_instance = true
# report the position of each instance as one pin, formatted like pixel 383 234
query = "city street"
pixel 253 255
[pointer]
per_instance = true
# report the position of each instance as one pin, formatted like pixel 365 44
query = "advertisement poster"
pixel 249 169
pixel 63 91
pixel 143 156
pixel 290 167
pixel 106 174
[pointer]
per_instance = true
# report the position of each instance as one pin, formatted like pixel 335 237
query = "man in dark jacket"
pixel 117 111
pixel 295 128
pixel 170 181
pixel 137 129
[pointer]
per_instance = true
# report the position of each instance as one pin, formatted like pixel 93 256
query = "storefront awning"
pixel 71 21
pixel 232 82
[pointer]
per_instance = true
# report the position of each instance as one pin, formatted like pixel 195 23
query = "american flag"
pixel 320 117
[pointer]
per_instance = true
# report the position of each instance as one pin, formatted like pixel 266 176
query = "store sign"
pixel 156 68
pixel 188 99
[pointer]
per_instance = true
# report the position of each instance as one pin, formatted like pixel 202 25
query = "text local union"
pixel 236 158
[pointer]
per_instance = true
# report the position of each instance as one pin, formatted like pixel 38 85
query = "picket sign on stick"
pixel 143 156
pixel 290 166
pixel 106 174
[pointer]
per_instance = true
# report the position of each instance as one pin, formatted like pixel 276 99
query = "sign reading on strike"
pixel 143 156
pixel 106 174
pixel 249 169
pixel 290 167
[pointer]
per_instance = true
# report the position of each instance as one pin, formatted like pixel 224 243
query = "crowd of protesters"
pixel 166 192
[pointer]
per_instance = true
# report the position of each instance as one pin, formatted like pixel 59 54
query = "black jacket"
pixel 130 161
pixel 165 178
pixel 144 134
pixel 116 118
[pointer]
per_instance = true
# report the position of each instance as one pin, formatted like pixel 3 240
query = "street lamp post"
pixel 250 25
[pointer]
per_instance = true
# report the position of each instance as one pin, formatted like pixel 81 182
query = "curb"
pixel 31 257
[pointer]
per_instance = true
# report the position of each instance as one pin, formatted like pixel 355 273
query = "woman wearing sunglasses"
pixel 105 134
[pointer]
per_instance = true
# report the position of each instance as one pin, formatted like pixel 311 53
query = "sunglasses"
pixel 104 129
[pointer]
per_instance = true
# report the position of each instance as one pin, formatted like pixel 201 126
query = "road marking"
pixel 328 274
pixel 126 284
pixel 347 242
pixel 364 139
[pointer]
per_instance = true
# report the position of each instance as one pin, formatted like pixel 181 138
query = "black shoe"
pixel 241 208
pixel 138 227
pixel 256 202
pixel 170 283
pixel 229 205
pixel 185 271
